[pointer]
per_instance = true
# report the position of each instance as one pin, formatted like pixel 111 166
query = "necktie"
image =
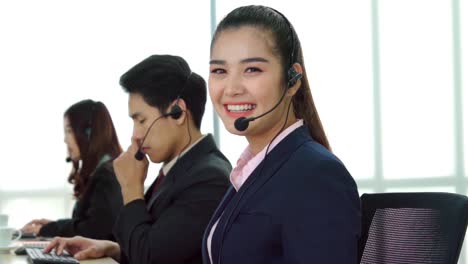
pixel 158 181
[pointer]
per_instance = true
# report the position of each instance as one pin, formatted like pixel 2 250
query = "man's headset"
pixel 175 113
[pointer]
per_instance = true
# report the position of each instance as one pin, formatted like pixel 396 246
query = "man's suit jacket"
pixel 95 213
pixel 168 227
pixel 300 205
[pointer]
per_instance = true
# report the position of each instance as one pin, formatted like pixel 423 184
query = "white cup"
pixel 6 236
pixel 3 220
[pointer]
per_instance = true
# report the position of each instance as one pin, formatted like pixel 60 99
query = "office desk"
pixel 11 258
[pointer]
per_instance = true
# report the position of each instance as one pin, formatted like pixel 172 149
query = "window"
pixel 336 45
pixel 55 54
pixel 416 88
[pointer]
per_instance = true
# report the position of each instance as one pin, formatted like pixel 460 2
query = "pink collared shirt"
pixel 246 164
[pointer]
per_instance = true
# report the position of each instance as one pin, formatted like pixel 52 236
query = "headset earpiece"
pixel 88 129
pixel 175 112
pixel 293 76
pixel 88 133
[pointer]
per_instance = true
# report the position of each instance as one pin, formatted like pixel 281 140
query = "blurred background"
pixel 386 75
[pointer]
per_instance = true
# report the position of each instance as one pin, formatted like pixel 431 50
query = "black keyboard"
pixel 36 256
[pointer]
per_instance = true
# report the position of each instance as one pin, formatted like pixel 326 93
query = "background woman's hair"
pixel 284 37
pixel 95 136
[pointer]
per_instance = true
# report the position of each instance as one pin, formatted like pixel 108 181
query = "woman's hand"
pixel 84 248
pixel 35 226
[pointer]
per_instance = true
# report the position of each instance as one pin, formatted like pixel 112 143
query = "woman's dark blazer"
pixel 95 213
pixel 300 205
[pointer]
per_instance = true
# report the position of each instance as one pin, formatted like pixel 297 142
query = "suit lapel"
pixel 149 192
pixel 179 170
pixel 222 205
pixel 162 188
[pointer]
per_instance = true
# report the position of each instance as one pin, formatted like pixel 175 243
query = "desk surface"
pixel 11 258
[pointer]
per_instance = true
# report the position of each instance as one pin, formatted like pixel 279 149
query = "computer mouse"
pixel 20 251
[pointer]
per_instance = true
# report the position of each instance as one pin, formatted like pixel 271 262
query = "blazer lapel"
pixel 180 169
pixel 149 192
pixel 216 216
pixel 163 187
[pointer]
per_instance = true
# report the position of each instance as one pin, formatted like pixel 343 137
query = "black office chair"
pixel 412 228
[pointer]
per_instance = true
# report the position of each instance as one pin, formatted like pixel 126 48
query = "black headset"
pixel 293 76
pixel 176 111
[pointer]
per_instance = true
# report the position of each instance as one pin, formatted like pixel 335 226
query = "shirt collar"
pixel 168 166
pixel 248 162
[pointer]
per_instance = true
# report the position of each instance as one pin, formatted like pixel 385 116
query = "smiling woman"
pixel 256 70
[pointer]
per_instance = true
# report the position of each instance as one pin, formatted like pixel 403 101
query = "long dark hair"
pixel 284 37
pixel 96 137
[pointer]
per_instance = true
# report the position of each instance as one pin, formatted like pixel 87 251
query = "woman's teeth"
pixel 240 108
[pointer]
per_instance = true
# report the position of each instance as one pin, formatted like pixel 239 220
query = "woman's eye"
pixel 252 69
pixel 218 71
pixel 142 121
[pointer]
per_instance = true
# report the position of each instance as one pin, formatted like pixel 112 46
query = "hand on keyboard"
pixel 36 256
pixel 84 248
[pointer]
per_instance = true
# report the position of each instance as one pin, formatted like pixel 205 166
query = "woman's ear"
pixel 298 71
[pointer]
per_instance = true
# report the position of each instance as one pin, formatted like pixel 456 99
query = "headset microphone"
pixel 68 159
pixel 242 123
pixel 139 155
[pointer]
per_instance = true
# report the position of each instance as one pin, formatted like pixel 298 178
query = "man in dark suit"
pixel 165 225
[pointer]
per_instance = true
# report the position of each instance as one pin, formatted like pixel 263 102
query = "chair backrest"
pixel 412 228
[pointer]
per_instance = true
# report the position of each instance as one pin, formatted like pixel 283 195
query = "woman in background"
pixel 291 200
pixel 92 145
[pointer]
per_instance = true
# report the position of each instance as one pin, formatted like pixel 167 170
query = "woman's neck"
pixel 259 141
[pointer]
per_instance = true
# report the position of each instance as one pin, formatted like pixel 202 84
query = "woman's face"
pixel 70 140
pixel 246 80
